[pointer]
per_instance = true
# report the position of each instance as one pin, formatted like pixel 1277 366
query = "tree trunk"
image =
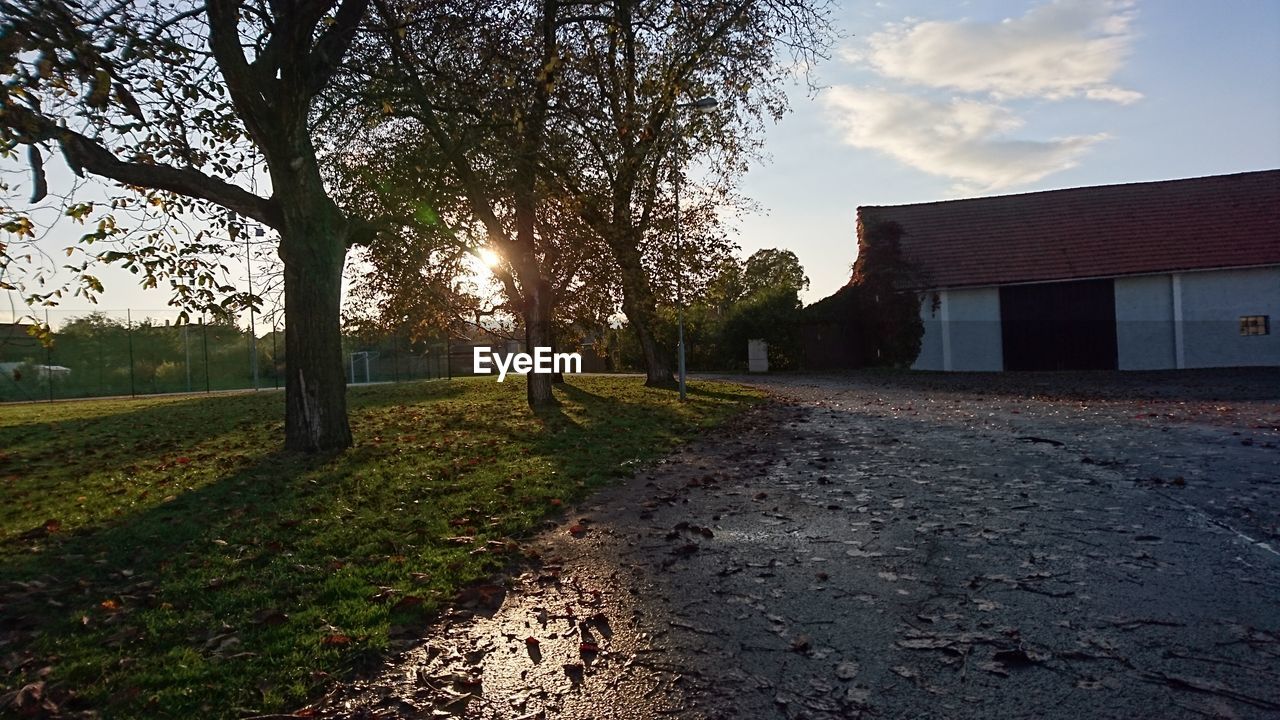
pixel 640 307
pixel 538 333
pixel 557 377
pixel 316 387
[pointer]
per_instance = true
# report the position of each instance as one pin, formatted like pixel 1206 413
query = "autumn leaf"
pixel 407 602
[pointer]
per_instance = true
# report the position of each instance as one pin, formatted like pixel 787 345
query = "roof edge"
pixel 1080 188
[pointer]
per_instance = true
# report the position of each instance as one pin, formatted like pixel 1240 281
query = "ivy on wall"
pixel 877 313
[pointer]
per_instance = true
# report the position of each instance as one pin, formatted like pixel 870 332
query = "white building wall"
pixel 962 332
pixel 1168 321
pixel 930 357
pixel 1144 323
pixel 1212 305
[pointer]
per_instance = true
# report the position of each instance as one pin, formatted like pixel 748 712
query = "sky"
pixel 929 101
pixel 926 100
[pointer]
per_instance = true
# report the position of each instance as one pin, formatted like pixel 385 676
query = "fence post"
pixel 275 359
pixel 48 354
pixel 133 388
pixel 101 384
pixel 253 326
pixel 204 331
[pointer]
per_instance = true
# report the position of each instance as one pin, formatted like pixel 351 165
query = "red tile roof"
pixel 1110 230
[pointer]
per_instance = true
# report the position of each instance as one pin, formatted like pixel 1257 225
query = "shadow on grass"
pixel 229 596
pixel 157 583
pixel 133 436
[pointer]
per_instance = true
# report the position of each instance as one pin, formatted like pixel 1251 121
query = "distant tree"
pixel 726 286
pixel 770 314
pixel 772 269
pixel 755 299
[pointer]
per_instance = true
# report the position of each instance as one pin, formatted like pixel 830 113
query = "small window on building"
pixel 1255 325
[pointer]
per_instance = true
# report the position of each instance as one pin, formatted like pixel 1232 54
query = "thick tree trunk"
pixel 557 377
pixel 640 307
pixel 538 333
pixel 316 388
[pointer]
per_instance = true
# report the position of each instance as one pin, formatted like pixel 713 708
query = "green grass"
pixel 162 558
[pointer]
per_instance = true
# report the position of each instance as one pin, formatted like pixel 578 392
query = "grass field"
pixel 162 558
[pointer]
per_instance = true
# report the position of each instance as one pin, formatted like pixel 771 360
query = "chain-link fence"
pixel 128 352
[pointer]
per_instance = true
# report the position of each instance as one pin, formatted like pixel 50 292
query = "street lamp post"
pixel 702 105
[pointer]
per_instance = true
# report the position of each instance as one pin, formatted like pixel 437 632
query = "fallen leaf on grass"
pixel 30 700
pixel 406 602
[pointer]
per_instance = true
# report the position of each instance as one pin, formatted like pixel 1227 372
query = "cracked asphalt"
pixel 899 546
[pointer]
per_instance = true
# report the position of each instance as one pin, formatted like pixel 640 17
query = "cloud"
pixel 1064 49
pixel 966 140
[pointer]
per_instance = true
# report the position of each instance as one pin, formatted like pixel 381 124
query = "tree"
pixel 631 72
pixel 773 269
pixel 471 83
pixel 732 310
pixel 417 276
pixel 772 314
pixel 181 102
pixel 551 115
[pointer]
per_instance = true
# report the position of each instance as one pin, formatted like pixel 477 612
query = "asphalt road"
pixel 890 546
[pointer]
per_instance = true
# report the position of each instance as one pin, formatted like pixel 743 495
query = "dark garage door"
pixel 1059 326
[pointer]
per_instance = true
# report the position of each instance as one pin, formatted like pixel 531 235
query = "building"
pixel 1143 276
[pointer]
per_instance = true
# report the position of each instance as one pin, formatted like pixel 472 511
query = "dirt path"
pixel 899 548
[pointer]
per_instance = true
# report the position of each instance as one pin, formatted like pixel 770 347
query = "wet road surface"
pixel 898 547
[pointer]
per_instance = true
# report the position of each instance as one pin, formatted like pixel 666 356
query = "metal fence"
pixel 134 353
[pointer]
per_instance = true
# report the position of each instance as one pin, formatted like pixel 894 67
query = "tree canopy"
pixel 182 105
